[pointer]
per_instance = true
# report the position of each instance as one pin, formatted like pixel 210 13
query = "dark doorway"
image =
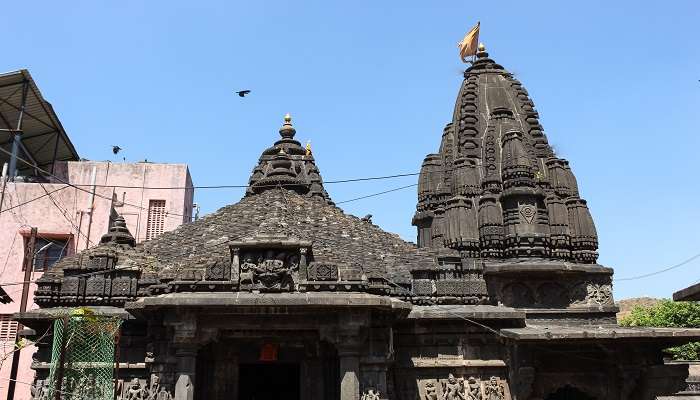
pixel 268 382
pixel 569 393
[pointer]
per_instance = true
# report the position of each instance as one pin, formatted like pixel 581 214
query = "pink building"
pixel 70 203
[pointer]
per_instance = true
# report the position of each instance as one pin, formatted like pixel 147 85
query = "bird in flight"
pixel 242 93
pixel 116 149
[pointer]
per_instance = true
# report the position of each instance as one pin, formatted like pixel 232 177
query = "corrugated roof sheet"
pixel 42 132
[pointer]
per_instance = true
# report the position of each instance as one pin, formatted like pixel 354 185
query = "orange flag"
pixel 468 45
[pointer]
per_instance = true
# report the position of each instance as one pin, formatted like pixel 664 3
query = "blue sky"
pixel 372 83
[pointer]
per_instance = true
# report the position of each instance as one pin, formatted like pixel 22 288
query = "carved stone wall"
pixel 552 291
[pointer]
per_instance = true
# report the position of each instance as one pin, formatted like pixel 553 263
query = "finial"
pixel 481 48
pixel 287 131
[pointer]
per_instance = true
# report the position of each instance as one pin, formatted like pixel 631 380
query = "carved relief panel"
pixel 467 387
pixel 268 265
pixel 586 290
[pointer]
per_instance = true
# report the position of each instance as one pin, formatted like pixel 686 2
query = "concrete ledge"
pixel 465 311
pixel 247 299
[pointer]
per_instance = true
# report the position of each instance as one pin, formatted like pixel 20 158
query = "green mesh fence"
pixel 87 367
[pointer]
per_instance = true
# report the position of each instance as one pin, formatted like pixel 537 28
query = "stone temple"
pixel 284 296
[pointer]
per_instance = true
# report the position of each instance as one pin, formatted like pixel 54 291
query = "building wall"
pixel 65 214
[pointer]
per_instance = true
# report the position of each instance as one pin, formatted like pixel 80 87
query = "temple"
pixel 284 296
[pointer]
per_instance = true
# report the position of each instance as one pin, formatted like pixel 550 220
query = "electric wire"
pixel 661 271
pixel 81 189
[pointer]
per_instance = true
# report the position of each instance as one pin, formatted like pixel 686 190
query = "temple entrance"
pixel 268 382
pixel 569 393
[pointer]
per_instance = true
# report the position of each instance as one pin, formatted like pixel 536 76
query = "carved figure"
pixel 153 388
pixel 135 391
pixel 453 389
pixel 473 389
pixel 247 270
pixel 494 389
pixel 271 270
pixel 37 390
pixel 430 391
pixel 370 394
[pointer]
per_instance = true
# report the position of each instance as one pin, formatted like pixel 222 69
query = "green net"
pixel 86 369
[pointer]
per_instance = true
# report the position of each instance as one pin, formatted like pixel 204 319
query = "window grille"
pixel 156 218
pixel 8 328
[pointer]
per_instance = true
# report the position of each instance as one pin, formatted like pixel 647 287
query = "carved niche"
pixel 269 265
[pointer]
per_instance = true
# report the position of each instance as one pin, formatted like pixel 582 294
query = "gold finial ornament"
pixel 482 47
pixel 287 118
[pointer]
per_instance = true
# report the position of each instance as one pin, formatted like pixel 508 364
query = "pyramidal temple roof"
pixel 495 189
pixel 285 199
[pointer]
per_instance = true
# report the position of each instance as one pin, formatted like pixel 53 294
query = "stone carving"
pixel 142 389
pixel 370 394
pixel 528 213
pixel 600 294
pixel 323 272
pixel 135 391
pixel 430 391
pixel 156 391
pixel 592 292
pixel 218 271
pixel 40 390
pixel 473 389
pixel 269 269
pixel 453 389
pixel 494 390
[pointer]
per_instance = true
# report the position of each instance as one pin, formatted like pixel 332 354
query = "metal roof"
pixel 43 139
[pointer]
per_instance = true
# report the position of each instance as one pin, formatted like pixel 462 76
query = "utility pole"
pixel 4 185
pixel 28 265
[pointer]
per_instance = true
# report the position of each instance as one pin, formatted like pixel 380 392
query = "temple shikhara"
pixel 284 296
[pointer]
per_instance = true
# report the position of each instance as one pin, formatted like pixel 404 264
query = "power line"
pixel 661 271
pixel 33 199
pixel 64 212
pixel 378 193
pixel 370 178
pixel 79 188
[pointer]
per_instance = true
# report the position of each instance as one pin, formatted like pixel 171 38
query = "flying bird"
pixel 116 149
pixel 242 93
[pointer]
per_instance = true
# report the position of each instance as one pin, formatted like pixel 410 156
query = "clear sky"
pixel 372 84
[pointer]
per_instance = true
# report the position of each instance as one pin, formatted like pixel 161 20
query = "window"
pixel 8 328
pixel 48 252
pixel 156 218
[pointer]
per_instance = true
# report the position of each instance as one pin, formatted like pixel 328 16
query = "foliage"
pixel 669 314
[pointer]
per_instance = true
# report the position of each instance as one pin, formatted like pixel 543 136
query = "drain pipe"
pixel 91 205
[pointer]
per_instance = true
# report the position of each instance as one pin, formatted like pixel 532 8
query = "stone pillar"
pixel 185 372
pixel 185 344
pixel 349 373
